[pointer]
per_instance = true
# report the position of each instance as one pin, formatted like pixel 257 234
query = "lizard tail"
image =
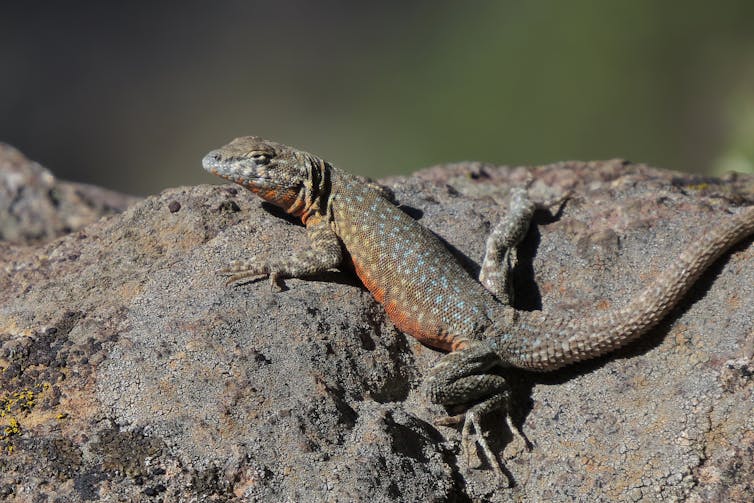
pixel 546 342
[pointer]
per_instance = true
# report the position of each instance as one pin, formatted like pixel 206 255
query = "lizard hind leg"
pixel 500 253
pixel 461 378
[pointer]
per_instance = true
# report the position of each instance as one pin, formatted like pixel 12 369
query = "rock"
pixel 35 207
pixel 130 372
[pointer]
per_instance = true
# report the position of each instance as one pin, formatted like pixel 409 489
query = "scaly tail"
pixel 546 342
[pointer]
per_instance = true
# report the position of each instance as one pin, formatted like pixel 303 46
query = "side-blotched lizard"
pixel 425 290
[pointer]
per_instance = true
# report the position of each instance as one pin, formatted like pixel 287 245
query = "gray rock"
pixel 35 207
pixel 131 372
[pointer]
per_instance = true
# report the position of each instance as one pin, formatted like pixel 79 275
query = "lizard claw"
pixel 236 277
pixel 470 421
pixel 555 204
pixel 237 274
pixel 450 420
pixel 237 271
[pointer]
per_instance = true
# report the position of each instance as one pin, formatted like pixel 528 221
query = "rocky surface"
pixel 36 207
pixel 131 373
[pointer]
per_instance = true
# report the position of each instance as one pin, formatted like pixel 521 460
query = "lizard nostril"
pixel 211 160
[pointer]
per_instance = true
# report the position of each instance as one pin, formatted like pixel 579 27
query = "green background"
pixel 130 95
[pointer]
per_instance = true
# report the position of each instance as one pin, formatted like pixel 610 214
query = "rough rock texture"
pixel 36 207
pixel 131 373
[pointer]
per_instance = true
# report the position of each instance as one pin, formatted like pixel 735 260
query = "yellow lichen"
pixel 698 186
pixel 13 427
pixel 12 405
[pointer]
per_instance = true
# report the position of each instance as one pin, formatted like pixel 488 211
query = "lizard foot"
pixel 238 270
pixel 471 420
pixel 461 378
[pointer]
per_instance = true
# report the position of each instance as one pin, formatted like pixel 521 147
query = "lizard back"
pixel 424 289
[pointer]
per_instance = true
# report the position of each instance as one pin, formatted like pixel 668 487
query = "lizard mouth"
pixel 215 164
pixel 246 178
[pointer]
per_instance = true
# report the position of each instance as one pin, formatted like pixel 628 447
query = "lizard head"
pixel 279 174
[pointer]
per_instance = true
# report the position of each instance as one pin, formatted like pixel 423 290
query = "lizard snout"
pixel 212 161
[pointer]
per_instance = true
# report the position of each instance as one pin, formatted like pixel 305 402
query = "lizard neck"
pixel 313 197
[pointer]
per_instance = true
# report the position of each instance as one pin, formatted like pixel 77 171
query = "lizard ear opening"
pixel 260 158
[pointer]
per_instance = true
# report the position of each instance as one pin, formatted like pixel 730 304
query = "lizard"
pixel 426 292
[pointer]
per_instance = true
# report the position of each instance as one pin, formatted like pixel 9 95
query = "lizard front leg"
pixel 324 253
pixel 499 257
pixel 462 377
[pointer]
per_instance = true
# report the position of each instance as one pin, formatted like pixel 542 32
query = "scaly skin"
pixel 425 291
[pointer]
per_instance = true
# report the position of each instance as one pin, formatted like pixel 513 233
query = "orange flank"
pixel 377 291
pixel 406 321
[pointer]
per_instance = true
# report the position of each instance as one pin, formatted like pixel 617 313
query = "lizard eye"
pixel 260 157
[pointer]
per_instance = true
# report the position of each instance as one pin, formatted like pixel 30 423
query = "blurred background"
pixel 131 95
